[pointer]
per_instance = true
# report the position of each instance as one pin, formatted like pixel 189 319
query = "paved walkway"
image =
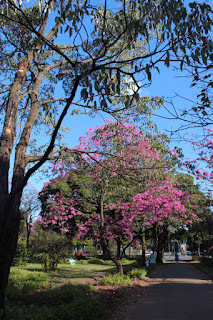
pixel 179 292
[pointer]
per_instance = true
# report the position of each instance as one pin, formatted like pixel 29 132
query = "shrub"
pixel 21 257
pixel 50 247
pixel 23 281
pixel 96 261
pixel 115 280
pixel 49 261
pixel 138 273
pixel 128 261
pixel 81 262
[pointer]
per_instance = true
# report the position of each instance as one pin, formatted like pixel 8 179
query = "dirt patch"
pixel 118 301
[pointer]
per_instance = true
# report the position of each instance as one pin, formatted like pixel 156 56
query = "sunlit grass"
pixel 62 294
pixel 80 272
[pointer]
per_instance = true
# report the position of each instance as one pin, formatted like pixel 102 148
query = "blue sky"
pixel 165 84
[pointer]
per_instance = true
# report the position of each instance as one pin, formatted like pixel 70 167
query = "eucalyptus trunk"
pixel 10 220
pixel 10 200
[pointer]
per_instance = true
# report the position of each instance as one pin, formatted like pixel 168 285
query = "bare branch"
pixel 52 101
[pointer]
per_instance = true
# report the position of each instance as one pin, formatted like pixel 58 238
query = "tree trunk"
pixel 118 248
pixel 105 248
pixel 143 247
pixel 162 235
pixel 28 230
pixel 109 255
pixel 8 242
pixel 119 265
pixel 9 202
pixel 159 257
pixel 198 247
pixel 158 246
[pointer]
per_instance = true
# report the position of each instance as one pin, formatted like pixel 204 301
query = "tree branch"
pixel 54 134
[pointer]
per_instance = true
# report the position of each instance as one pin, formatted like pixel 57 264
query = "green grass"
pixel 138 273
pixel 80 273
pixel 24 281
pixel 70 296
pixel 115 280
pixel 65 302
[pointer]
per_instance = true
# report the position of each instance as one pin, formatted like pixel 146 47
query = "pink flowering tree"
pixel 157 207
pixel 65 201
pixel 125 155
pixel 96 194
pixel 202 165
pixel 114 160
pixel 161 205
pixel 202 168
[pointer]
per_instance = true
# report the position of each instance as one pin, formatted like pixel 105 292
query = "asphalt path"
pixel 178 292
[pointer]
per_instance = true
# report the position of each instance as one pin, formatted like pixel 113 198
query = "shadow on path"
pixel 178 292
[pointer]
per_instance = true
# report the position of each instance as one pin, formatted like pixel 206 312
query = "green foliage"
pixel 138 273
pixel 24 281
pixel 97 261
pixel 128 261
pixel 116 280
pixel 108 46
pixel 81 261
pixel 66 302
pixel 49 248
pixel 74 186
pixel 22 256
pixel 49 261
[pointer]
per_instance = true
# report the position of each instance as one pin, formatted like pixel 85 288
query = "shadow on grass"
pixel 81 275
pixel 66 271
pixel 65 302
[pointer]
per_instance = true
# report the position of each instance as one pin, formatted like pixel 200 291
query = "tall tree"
pixel 29 207
pixel 123 160
pixel 102 51
pixel 95 194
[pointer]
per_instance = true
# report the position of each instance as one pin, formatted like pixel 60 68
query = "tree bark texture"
pixel 107 254
pixel 8 240
pixel 10 199
pixel 119 265
pixel 9 203
pixel 161 237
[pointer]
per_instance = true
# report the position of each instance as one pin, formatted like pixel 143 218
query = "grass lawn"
pixel 64 294
pixel 79 273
